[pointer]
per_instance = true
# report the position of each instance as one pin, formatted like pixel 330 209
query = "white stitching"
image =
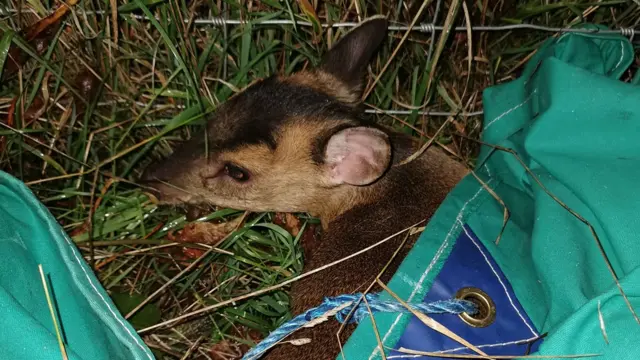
pixel 504 287
pixel 621 56
pixel 515 342
pixel 621 53
pixel 510 110
pixel 64 235
pixel 433 261
pixel 488 171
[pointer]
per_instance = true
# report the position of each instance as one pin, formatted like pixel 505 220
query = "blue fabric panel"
pixel 471 265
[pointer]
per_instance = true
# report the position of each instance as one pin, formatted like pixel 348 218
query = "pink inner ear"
pixel 357 156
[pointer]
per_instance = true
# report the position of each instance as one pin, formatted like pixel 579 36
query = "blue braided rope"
pixel 452 306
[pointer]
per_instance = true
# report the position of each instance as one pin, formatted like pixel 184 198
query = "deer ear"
pixel 347 60
pixel 357 156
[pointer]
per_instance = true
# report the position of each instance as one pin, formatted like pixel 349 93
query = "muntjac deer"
pixel 301 143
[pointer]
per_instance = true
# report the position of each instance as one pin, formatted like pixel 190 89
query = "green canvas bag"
pixel 92 327
pixel 576 126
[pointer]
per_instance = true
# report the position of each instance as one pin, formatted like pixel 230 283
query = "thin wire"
pixel 218 21
pixel 368 111
pixel 431 113
pixel 425 28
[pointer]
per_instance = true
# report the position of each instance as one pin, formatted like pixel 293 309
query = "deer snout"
pixel 149 182
pixel 169 180
pixel 153 173
pixel 166 192
pixel 154 179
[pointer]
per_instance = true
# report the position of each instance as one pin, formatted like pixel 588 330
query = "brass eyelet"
pixel 486 314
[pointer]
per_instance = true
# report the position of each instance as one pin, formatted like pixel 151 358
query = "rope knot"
pixel 352 308
pixel 357 308
pixel 360 310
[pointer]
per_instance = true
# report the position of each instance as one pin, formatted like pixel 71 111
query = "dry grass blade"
pixel 375 330
pixel 404 38
pixel 368 290
pixel 114 20
pixel 471 356
pixel 362 299
pixel 181 273
pixel 505 215
pixel 31 138
pixel 603 328
pixel 54 317
pixel 467 18
pixel 192 348
pixel 310 324
pixel 448 24
pixel 278 286
pixel 426 145
pixel 56 178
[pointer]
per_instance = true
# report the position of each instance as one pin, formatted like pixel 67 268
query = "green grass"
pixel 83 151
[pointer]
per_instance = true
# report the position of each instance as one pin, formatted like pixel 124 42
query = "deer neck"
pixel 416 186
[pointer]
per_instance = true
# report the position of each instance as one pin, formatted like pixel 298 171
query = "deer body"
pixel 402 202
pixel 300 143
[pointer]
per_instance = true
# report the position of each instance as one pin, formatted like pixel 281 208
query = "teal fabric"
pixel 577 127
pixel 92 327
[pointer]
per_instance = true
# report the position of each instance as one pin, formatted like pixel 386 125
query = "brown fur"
pixel 326 83
pixel 277 130
pixel 403 199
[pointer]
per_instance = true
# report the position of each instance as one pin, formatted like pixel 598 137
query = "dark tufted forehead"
pixel 255 115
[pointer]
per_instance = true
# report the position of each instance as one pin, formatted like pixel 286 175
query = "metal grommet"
pixel 486 308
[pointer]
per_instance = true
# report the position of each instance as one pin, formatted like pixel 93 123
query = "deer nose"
pixel 148 180
pixel 156 172
pixel 147 176
pixel 155 192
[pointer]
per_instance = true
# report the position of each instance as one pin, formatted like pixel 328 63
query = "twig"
pixel 433 324
pixel 63 350
pixel 277 286
pixel 184 271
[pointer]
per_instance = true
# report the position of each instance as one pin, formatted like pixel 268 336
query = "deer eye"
pixel 236 173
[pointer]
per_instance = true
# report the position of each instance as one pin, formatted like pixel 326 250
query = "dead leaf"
pixel 207 233
pixel 226 350
pixel 37 108
pixel 191 253
pixel 288 222
pixel 310 238
pixel 10 122
pixel 11 114
pixel 80 230
pixel 38 35
pixel 308 9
